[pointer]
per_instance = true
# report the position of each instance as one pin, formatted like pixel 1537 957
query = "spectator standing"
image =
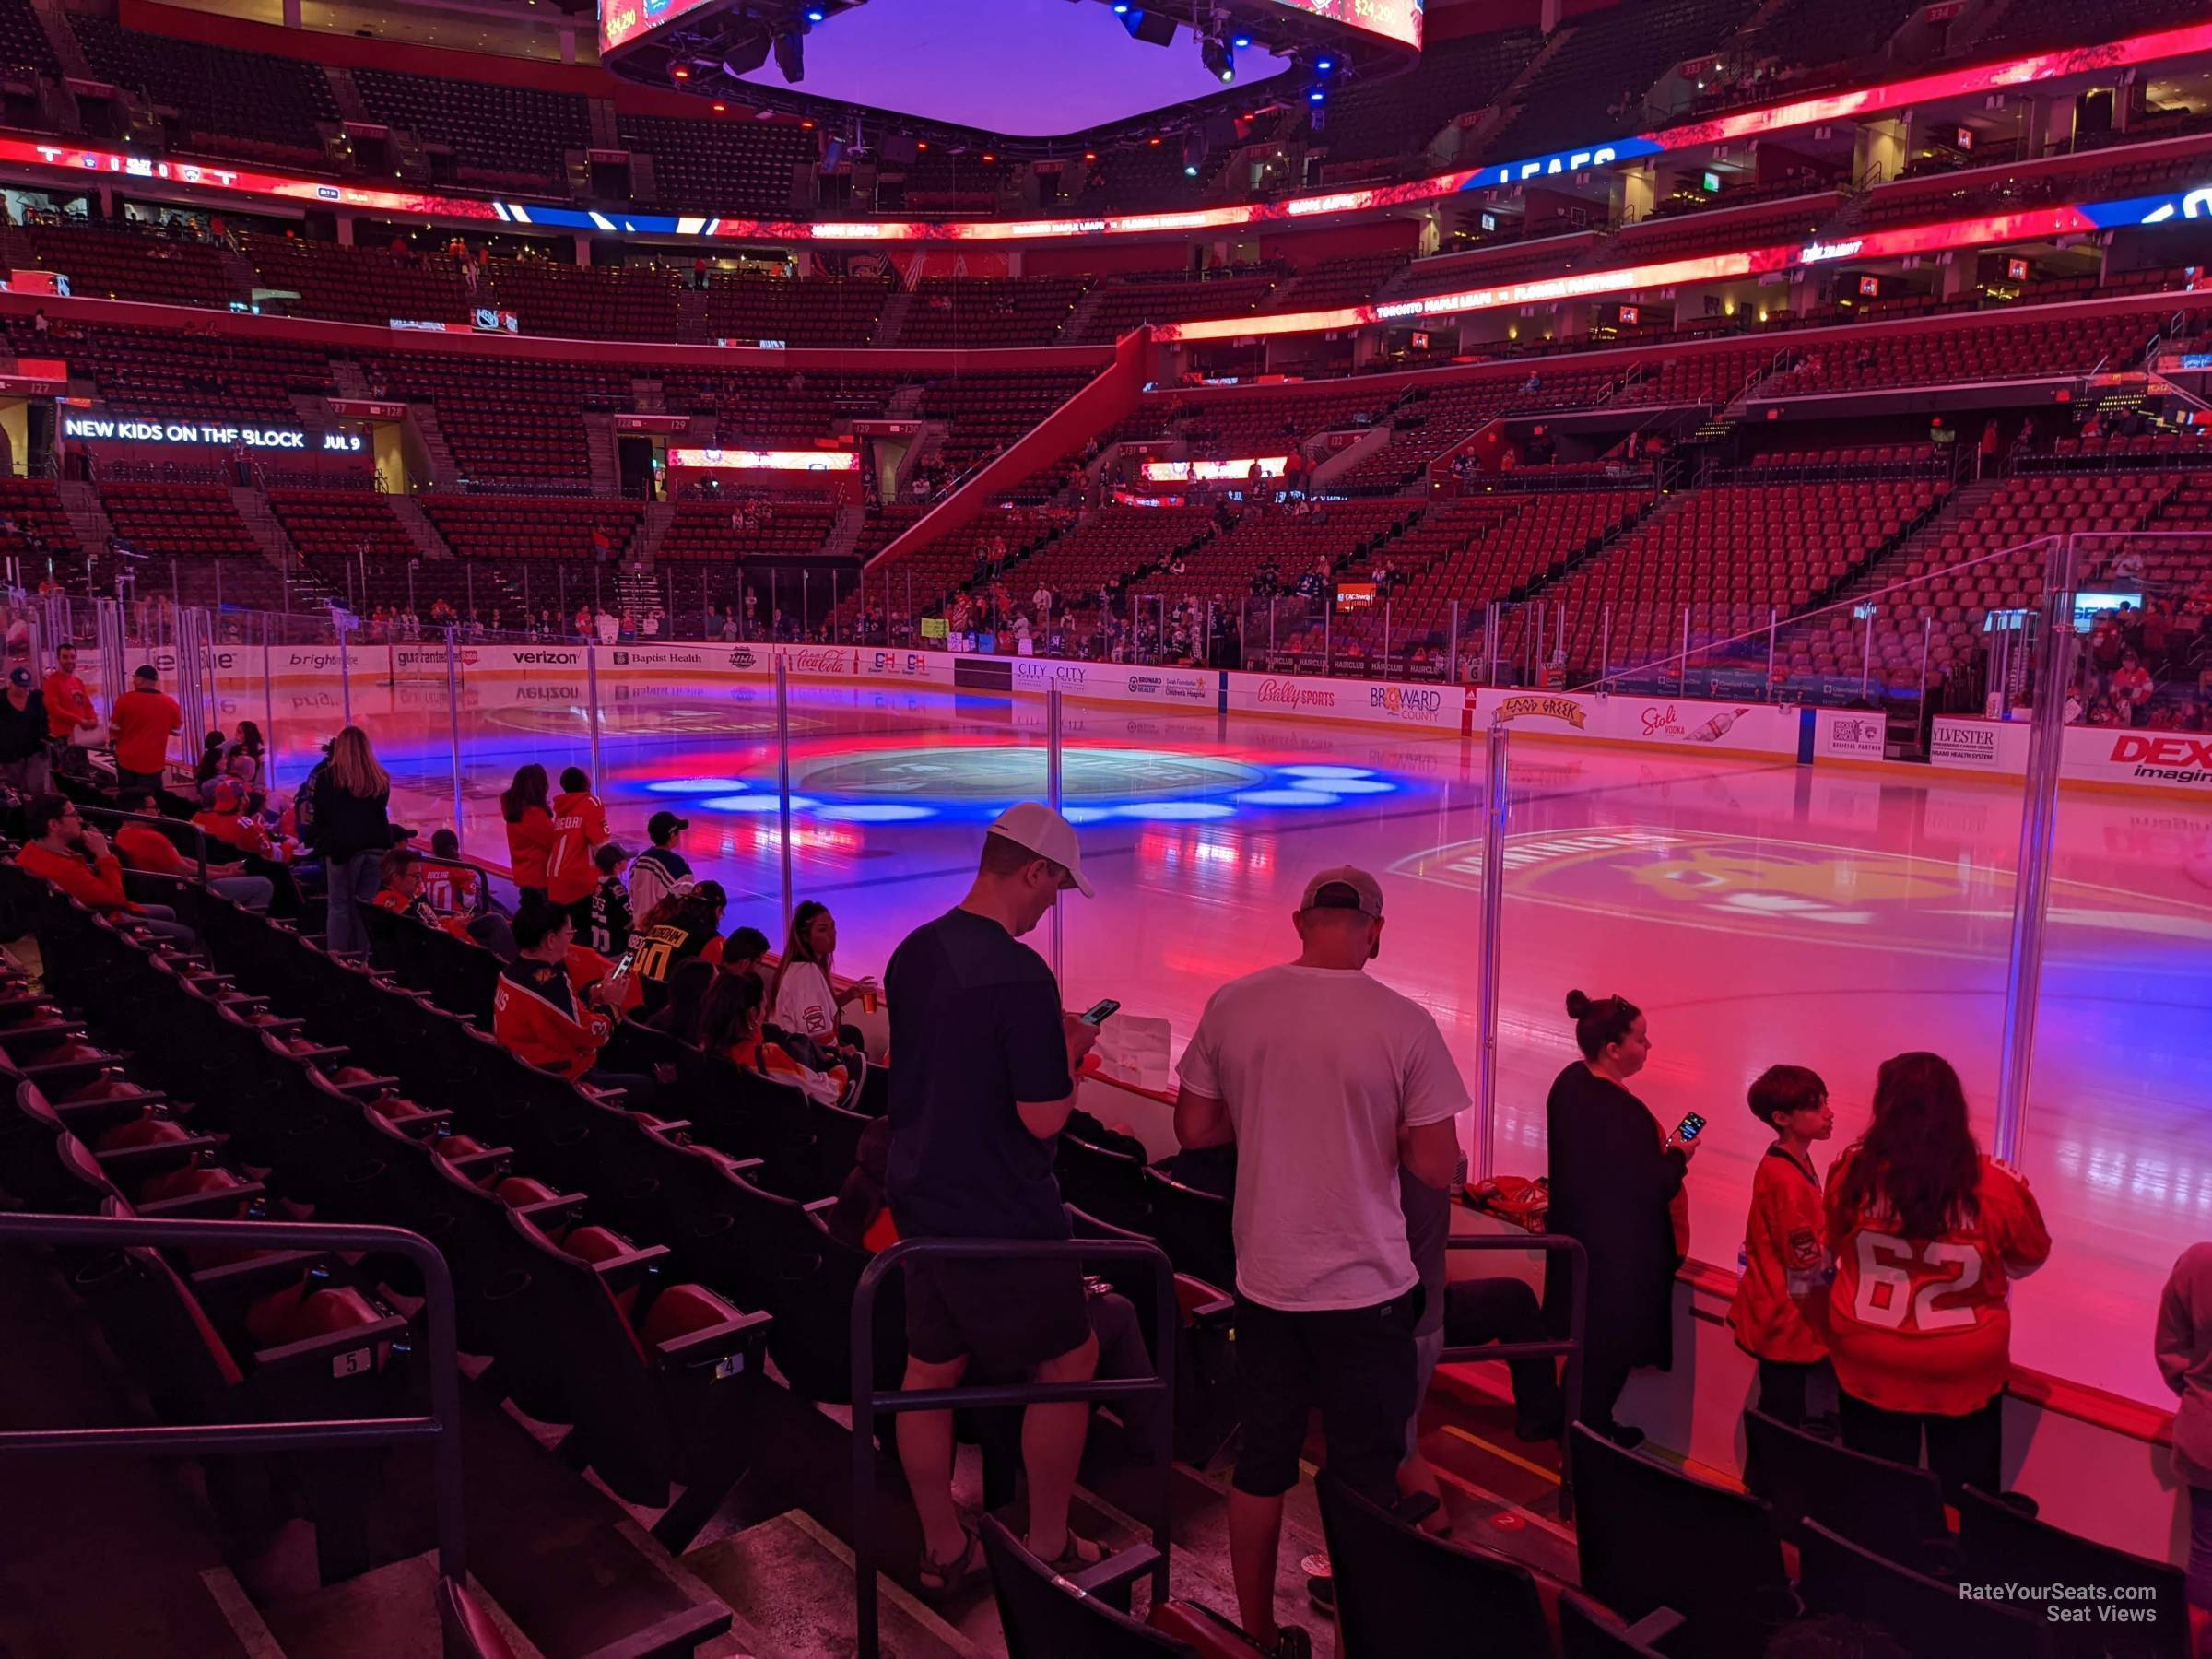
pixel 661 868
pixel 1327 1082
pixel 579 830
pixel 69 711
pixel 352 831
pixel 608 907
pixel 144 719
pixel 529 818
pixel 1928 1234
pixel 1617 1187
pixel 24 767
pixel 60 847
pixel 984 1081
pixel 2184 1349
pixel 1780 1313
pixel 805 998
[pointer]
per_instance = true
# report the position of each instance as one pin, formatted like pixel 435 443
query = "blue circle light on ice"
pixel 1286 797
pixel 1174 811
pixel 697 787
pixel 1320 773
pixel 885 812
pixel 755 803
pixel 1348 786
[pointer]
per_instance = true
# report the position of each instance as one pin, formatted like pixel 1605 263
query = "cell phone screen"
pixel 1689 1129
pixel 1099 1013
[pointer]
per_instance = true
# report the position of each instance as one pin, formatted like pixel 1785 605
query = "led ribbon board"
pixel 1738 124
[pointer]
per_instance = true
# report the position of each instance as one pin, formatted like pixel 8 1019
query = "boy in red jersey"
pixel 1928 1233
pixel 1780 1313
pixel 579 828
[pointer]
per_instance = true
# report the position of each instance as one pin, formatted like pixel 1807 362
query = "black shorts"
pixel 1357 1364
pixel 1006 1317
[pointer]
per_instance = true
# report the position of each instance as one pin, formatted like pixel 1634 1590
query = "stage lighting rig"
pixel 791 51
pixel 1219 57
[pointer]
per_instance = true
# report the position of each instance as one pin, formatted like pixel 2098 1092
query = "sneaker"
pixel 1627 1436
pixel 1321 1590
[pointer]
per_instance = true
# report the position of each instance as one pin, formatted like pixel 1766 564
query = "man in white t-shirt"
pixel 1326 1080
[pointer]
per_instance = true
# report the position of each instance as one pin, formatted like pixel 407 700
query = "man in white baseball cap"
pixel 1033 826
pixel 986 1076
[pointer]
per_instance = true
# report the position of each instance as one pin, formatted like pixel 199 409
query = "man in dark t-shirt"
pixel 985 1080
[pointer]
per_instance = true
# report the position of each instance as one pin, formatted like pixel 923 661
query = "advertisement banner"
pixel 1989 746
pixel 2147 758
pixel 1664 722
pixel 1383 702
pixel 1852 734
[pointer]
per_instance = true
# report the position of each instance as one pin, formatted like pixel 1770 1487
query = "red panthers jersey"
pixel 1781 1306
pixel 1923 1324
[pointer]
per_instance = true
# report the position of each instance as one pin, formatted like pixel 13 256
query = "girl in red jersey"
pixel 1928 1233
pixel 524 806
pixel 1780 1313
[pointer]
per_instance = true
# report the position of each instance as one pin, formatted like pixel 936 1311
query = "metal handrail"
pixel 442 1427
pixel 868 1400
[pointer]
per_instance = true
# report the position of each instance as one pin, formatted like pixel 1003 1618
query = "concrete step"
pixel 790 1583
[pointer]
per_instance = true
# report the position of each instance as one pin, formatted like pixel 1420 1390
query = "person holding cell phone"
pixel 1616 1188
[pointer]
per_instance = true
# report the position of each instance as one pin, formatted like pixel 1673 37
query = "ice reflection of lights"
pixel 699 786
pixel 1285 797
pixel 1083 815
pixel 754 802
pixel 1325 772
pixel 1348 786
pixel 1174 811
pixel 885 812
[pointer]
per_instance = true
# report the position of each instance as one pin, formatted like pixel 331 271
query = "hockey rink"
pixel 1760 912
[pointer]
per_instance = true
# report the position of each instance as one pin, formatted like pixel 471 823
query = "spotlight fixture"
pixel 1242 41
pixel 1155 28
pixel 1325 65
pixel 746 54
pixel 1220 60
pixel 791 54
pixel 816 15
pixel 1317 95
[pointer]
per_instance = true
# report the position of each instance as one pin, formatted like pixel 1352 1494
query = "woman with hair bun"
pixel 1616 1188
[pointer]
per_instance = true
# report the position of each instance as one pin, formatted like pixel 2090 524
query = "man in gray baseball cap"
pixel 1332 1086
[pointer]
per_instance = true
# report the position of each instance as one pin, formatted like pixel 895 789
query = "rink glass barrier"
pixel 1662 839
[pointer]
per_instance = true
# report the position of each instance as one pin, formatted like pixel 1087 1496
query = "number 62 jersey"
pixel 1923 1324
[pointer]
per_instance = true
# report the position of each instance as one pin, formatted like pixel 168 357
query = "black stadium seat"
pixel 1400 1591
pixel 1928 1615
pixel 1590 1632
pixel 1048 1616
pixel 1997 1543
pixel 1650 1538
pixel 1892 1509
